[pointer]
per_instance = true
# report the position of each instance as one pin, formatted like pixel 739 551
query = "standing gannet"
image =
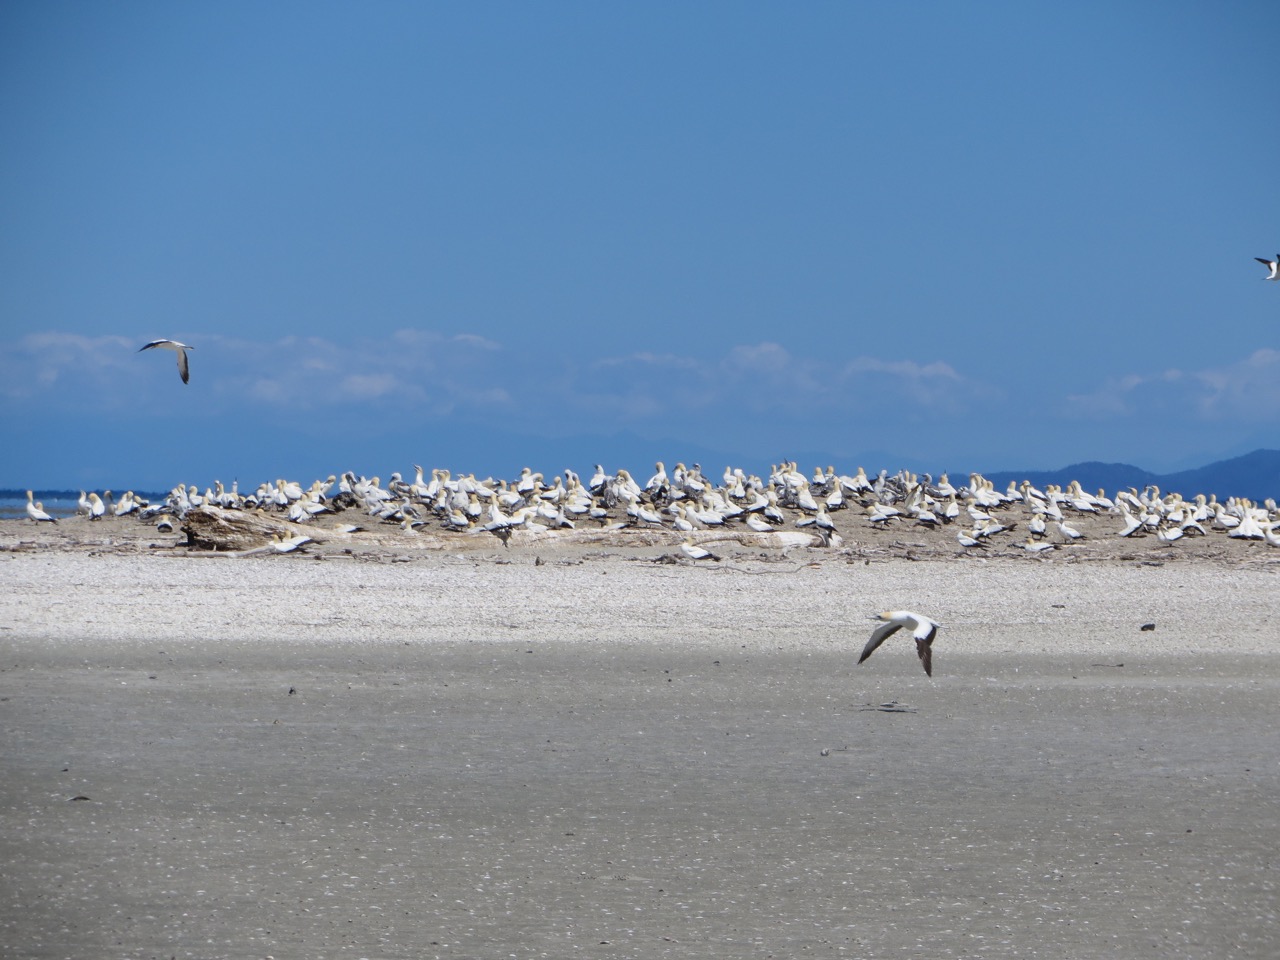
pixel 180 349
pixel 922 628
pixel 1068 531
pixel 1272 265
pixel 36 512
pixel 659 481
pixel 1036 525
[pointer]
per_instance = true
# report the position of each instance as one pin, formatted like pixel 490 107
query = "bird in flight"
pixel 922 628
pixel 180 349
pixel 1272 265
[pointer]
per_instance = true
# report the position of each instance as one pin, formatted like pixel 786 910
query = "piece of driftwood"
pixel 212 528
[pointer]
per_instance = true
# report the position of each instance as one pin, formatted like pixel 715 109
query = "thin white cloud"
pixel 369 385
pixel 907 370
pixel 431 375
pixel 1247 390
pixel 765 379
pixel 37 365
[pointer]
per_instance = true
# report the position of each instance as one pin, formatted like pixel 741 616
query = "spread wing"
pixel 925 649
pixel 182 366
pixel 924 645
pixel 878 636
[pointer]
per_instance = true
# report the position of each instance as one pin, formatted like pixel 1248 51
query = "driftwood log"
pixel 212 528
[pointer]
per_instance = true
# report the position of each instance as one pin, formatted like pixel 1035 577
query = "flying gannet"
pixel 922 628
pixel 180 349
pixel 1272 265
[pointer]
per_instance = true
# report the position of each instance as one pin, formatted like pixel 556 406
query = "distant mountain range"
pixel 1255 475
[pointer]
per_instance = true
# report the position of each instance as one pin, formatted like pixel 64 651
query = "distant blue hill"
pixel 1255 475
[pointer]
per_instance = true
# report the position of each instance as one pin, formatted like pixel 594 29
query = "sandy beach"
pixel 461 750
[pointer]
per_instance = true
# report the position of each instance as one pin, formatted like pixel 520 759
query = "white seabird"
pixel 180 349
pixel 1272 265
pixel 922 629
pixel 35 510
pixel 695 552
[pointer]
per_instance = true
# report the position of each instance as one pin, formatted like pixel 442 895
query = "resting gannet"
pixel 695 552
pixel 1272 265
pixel 179 348
pixel 36 512
pixel 922 628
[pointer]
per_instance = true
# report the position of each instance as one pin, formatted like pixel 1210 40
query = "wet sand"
pixel 589 753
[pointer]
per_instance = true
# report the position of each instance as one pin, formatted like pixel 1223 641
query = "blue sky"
pixel 934 235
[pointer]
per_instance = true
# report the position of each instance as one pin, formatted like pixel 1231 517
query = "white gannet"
pixel 695 552
pixel 922 628
pixel 35 511
pixel 682 521
pixel 821 519
pixel 1272 265
pixel 1247 529
pixel 283 544
pixel 1036 525
pixel 1132 524
pixel 179 348
pixel 1068 531
pixel 659 481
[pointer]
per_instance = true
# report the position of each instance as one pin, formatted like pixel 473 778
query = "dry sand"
pixel 558 751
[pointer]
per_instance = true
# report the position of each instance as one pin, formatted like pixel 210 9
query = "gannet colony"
pixel 691 513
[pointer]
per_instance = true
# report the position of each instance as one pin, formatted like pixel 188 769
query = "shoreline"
pixel 599 750
pixel 803 601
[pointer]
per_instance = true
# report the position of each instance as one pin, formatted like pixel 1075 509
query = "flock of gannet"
pixel 826 505
pixel 685 502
